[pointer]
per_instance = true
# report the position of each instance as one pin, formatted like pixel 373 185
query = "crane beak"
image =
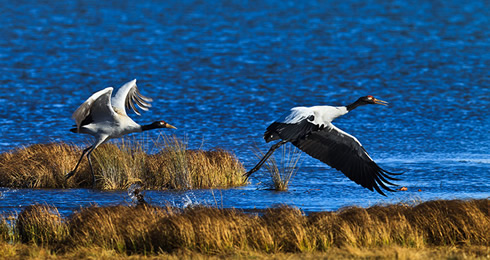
pixel 380 102
pixel 170 126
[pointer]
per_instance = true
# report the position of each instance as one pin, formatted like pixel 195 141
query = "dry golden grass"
pixel 400 231
pixel 41 166
pixel 5 229
pixel 119 166
pixel 283 169
pixel 41 225
pixel 23 251
pixel 182 168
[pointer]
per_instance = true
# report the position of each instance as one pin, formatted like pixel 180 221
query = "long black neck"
pixel 358 102
pixel 149 127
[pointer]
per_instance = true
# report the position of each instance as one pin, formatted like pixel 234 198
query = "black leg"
pixel 68 175
pixel 91 169
pixel 264 159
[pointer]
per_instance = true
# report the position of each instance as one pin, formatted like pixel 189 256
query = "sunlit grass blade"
pixel 282 166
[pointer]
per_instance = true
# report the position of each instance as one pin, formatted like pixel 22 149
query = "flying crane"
pixel 311 130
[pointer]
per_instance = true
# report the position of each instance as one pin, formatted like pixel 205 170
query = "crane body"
pixel 104 117
pixel 311 130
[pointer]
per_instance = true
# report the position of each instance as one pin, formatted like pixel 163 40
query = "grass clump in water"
pixel 40 166
pixel 182 168
pixel 282 170
pixel 5 228
pixel 117 166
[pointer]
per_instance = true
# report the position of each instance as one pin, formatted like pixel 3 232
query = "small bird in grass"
pixel 105 118
pixel 311 130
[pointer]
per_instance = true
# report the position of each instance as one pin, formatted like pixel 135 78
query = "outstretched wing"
pixel 95 109
pixel 346 154
pixel 292 125
pixel 127 96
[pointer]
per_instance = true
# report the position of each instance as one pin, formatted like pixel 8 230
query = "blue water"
pixel 222 71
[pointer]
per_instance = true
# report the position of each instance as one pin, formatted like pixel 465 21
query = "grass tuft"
pixel 40 166
pixel 181 168
pixel 282 170
pixel 41 225
pixel 118 166
pixel 5 228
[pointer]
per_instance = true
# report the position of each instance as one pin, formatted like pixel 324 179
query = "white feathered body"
pixel 104 117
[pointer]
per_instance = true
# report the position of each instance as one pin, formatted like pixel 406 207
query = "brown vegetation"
pixel 283 169
pixel 119 166
pixel 147 230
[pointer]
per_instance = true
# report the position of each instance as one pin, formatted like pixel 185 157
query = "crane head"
pixel 373 100
pixel 162 124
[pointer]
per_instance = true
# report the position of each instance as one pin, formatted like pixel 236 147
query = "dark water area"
pixel 223 71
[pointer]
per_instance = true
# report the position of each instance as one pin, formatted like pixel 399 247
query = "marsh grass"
pixel 282 166
pixel 183 168
pixel 148 230
pixel 174 163
pixel 40 166
pixel 41 225
pixel 118 165
pixel 5 229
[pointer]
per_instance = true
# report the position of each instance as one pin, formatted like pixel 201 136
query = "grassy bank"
pixel 118 166
pixel 440 228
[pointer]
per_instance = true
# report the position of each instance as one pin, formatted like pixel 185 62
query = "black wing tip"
pixel 380 180
pixel 392 173
pixel 135 99
pixel 386 174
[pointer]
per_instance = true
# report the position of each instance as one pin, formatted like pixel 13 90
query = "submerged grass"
pixel 281 166
pixel 148 230
pixel 117 166
pixel 282 170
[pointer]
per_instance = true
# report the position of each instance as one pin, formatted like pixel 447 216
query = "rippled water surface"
pixel 221 72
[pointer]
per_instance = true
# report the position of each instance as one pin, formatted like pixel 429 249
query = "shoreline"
pixel 459 227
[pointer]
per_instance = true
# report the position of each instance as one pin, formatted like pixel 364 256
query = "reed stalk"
pixel 282 168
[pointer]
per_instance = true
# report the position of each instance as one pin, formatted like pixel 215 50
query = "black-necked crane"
pixel 311 130
pixel 105 118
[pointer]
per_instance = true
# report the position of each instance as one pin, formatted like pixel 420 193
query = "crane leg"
pixel 264 159
pixel 91 169
pixel 99 140
pixel 68 175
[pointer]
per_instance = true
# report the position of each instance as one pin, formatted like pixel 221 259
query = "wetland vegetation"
pixel 119 165
pixel 434 229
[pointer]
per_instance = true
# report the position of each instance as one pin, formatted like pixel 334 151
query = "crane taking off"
pixel 105 118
